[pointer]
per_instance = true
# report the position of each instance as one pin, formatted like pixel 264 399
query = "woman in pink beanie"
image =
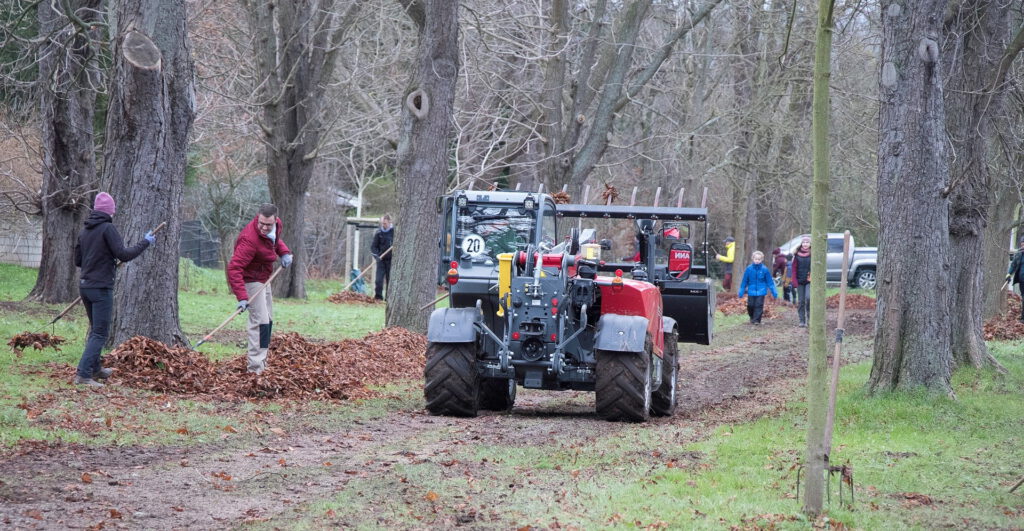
pixel 99 244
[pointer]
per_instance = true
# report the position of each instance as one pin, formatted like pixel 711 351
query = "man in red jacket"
pixel 256 249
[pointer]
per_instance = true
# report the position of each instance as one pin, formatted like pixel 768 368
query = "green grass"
pixel 204 302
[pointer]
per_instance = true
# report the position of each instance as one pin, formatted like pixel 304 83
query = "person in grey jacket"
pixel 99 245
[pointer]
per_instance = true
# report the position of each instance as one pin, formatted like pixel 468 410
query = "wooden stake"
pixel 830 414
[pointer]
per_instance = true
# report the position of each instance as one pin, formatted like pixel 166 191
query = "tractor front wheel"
pixel 623 386
pixel 497 394
pixel 452 383
pixel 663 401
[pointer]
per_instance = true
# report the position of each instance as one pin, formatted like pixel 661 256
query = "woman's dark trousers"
pixel 99 303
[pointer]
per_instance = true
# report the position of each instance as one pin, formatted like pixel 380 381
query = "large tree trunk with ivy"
pixel 67 83
pixel 296 45
pixel 148 123
pixel 423 155
pixel 912 348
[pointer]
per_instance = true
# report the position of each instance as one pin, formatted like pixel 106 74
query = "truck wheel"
pixel 866 279
pixel 623 385
pixel 663 401
pixel 452 383
pixel 497 394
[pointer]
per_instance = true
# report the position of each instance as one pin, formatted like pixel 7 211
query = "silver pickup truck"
pixel 863 261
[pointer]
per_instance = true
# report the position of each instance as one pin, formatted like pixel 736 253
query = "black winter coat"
pixel 382 242
pixel 1016 270
pixel 99 244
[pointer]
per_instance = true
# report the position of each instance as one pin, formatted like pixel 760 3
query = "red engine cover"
pixel 636 298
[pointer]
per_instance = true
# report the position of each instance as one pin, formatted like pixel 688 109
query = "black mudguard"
pixel 453 325
pixel 621 333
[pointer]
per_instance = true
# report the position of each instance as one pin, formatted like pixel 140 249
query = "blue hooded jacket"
pixel 757 280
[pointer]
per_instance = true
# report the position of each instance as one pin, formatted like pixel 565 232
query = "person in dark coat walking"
pixel 258 246
pixel 1015 275
pixel 99 245
pixel 382 241
pixel 801 278
pixel 757 282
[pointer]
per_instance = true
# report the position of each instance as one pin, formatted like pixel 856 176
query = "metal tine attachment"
pixel 679 202
pixel 518 185
pixel 632 198
pixel 586 194
pixel 540 189
pixel 704 200
pixel 564 187
pixel 657 196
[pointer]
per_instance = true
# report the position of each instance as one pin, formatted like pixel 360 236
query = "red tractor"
pixel 527 310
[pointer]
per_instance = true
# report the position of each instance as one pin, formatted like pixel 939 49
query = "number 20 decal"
pixel 473 245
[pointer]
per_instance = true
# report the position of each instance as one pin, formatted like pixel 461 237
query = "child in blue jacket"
pixel 757 282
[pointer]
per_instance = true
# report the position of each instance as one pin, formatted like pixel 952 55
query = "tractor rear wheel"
pixel 663 401
pixel 623 386
pixel 452 383
pixel 497 394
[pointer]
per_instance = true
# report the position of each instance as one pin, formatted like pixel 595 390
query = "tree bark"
pixel 817 399
pixel 148 123
pixel 423 154
pixel 296 48
pixel 912 348
pixel 972 53
pixel 68 77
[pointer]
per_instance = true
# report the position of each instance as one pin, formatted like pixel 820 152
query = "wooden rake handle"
pixel 238 310
pixel 365 269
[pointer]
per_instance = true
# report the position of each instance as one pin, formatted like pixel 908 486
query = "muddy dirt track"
pixel 391 468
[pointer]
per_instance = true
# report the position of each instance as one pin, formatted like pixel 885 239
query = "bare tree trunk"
pixel 742 180
pixel 817 400
pixel 150 116
pixel 68 77
pixel 296 48
pixel 423 154
pixel 912 342
pixel 972 53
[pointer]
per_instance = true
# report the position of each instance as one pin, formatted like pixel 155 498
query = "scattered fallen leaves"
pixel 610 194
pixel 86 477
pixel 431 496
pixel 914 499
pixel 351 297
pixel 39 341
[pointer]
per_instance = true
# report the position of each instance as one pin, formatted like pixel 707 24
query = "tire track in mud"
pixel 749 372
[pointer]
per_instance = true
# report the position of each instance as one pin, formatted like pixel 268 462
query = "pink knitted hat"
pixel 104 203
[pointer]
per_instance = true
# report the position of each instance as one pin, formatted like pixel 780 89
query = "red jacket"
pixel 254 257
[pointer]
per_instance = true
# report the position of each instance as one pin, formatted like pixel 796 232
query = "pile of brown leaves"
pixel 610 194
pixel 351 297
pixel 40 341
pixel 296 368
pixel 729 304
pixel 854 301
pixel 561 198
pixel 1007 325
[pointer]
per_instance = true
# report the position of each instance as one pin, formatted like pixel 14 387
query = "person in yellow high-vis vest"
pixel 727 259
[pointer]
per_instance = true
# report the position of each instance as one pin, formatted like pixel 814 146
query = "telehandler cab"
pixel 529 309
